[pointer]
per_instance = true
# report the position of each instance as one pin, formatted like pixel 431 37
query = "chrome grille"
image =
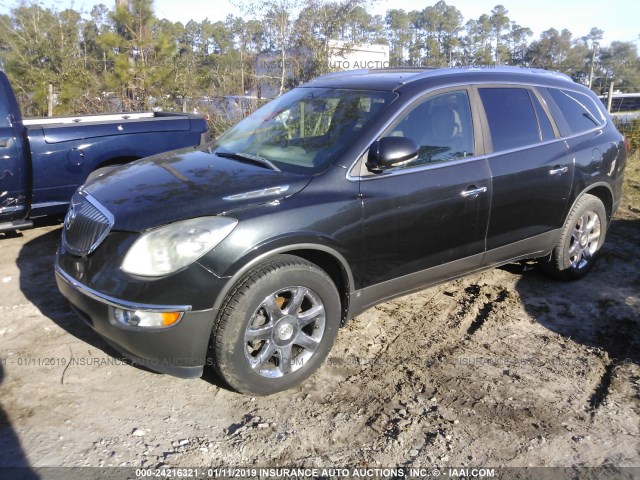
pixel 86 225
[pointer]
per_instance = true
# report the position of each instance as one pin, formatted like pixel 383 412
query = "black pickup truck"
pixel 44 160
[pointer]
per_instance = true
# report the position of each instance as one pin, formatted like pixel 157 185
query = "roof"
pixel 392 79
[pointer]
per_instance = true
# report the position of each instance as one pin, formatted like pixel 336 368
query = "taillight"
pixel 626 144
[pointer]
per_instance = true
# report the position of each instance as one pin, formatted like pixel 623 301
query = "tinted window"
pixel 546 130
pixel 579 110
pixel 441 126
pixel 512 119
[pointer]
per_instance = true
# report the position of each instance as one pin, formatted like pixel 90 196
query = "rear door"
pixel 531 169
pixel 426 220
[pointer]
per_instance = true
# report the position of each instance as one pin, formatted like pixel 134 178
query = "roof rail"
pixel 343 73
pixel 417 73
pixel 488 68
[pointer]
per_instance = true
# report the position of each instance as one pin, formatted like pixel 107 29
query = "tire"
pixel 276 327
pixel 579 244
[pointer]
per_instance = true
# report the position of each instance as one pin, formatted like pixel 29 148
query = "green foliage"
pixel 42 48
pixel 126 58
pixel 631 185
pixel 631 132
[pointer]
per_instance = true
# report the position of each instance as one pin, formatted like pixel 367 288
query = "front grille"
pixel 86 225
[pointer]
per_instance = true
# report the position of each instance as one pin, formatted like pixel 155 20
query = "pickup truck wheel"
pixel 276 327
pixel 582 236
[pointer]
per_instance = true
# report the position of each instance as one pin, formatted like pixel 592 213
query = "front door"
pixel 426 220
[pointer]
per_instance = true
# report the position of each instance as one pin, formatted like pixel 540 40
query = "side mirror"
pixel 390 152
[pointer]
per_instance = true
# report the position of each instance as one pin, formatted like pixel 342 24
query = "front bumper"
pixel 180 350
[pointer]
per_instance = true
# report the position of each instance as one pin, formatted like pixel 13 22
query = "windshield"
pixel 305 129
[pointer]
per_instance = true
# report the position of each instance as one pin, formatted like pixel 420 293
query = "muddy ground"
pixel 505 367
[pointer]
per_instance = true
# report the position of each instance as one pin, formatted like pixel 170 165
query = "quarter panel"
pixel 600 158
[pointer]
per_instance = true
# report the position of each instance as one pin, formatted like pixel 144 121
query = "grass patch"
pixel 631 188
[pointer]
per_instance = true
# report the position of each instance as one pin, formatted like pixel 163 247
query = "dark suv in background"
pixel 248 253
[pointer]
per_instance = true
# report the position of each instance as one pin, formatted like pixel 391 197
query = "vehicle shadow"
pixel 13 461
pixel 37 282
pixel 601 310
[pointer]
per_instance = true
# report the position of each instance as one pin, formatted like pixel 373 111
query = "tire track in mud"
pixel 418 406
pixel 485 311
pixel 423 401
pixel 619 336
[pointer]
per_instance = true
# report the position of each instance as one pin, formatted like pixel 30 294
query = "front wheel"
pixel 582 237
pixel 276 327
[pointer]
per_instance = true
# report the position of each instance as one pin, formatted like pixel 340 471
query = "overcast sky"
pixel 620 19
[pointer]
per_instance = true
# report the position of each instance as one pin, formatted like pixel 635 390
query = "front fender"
pixel 283 245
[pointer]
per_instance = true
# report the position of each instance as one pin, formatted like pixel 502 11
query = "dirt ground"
pixel 502 368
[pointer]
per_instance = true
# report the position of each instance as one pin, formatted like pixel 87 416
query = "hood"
pixel 186 184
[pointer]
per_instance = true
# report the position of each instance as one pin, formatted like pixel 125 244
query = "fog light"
pixel 141 318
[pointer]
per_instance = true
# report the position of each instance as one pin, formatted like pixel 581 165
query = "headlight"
pixel 168 249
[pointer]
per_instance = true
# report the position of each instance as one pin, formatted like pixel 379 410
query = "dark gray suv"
pixel 248 253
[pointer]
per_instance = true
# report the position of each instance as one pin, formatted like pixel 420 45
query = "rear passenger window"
pixel 511 116
pixel 578 109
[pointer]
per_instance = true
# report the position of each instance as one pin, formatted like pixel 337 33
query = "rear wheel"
pixel 276 327
pixel 582 237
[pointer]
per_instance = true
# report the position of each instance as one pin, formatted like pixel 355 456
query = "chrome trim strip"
pixel 474 192
pixel 12 209
pixel 264 192
pixel 98 206
pixel 419 168
pixel 114 302
pixel 352 176
pixel 48 204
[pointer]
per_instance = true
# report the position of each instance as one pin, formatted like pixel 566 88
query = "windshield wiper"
pixel 248 156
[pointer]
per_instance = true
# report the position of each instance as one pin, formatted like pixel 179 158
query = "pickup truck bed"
pixel 44 160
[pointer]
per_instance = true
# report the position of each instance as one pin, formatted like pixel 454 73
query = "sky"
pixel 620 19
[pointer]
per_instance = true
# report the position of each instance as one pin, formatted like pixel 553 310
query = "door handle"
pixel 558 170
pixel 4 142
pixel 473 191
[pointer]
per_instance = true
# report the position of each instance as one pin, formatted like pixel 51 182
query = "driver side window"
pixel 441 126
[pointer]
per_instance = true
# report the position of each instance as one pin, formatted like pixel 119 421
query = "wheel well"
pixel 605 197
pixel 334 269
pixel 116 161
